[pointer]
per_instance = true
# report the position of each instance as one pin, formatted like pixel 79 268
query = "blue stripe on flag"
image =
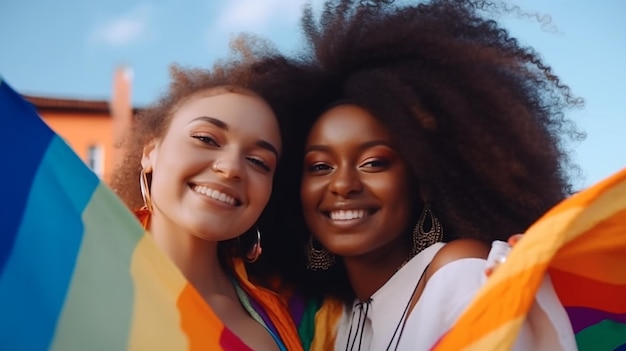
pixel 24 140
pixel 40 267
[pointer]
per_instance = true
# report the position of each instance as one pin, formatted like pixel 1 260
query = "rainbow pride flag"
pixel 77 271
pixel 582 244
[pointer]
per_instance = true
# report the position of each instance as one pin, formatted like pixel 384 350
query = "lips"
pixel 222 195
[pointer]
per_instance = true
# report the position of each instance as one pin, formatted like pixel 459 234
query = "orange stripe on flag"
pixel 198 321
pixel 275 308
pixel 498 339
pixel 596 253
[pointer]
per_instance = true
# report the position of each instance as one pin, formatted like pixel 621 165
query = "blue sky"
pixel 69 48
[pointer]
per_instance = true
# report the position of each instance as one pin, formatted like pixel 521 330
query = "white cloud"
pixel 276 20
pixel 257 15
pixel 124 29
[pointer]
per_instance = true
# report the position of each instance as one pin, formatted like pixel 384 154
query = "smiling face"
pixel 212 171
pixel 355 185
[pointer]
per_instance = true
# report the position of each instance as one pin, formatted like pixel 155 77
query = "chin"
pixel 211 237
pixel 347 250
pixel 200 231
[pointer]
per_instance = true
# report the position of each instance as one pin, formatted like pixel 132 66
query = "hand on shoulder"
pixel 513 239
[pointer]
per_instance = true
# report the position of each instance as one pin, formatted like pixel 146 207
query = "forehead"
pixel 241 112
pixel 224 104
pixel 348 122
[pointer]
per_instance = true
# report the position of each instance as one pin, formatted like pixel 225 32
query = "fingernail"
pixel 514 239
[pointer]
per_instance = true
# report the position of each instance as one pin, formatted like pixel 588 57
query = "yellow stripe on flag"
pixel 158 284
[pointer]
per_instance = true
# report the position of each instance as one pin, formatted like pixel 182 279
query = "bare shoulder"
pixel 457 250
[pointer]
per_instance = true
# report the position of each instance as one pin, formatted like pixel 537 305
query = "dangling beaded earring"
pixel 318 258
pixel 255 252
pixel 422 238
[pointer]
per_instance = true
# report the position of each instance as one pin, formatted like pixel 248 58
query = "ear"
pixel 149 155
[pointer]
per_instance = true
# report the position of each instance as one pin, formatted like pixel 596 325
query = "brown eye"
pixel 206 140
pixel 318 167
pixel 259 163
pixel 376 163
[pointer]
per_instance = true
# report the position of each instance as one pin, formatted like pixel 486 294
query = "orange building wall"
pixel 82 130
pixel 83 123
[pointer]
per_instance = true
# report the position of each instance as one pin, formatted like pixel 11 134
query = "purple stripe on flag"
pixel 583 317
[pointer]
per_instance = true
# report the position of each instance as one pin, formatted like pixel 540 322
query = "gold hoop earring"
pixel 317 259
pixel 423 238
pixel 255 252
pixel 145 190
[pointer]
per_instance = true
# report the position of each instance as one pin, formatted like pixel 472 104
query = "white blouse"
pixel 377 325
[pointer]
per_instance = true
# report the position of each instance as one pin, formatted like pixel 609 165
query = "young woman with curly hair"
pixel 429 133
pixel 200 163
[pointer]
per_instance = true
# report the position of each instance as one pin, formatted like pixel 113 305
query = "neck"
pixel 196 258
pixel 368 273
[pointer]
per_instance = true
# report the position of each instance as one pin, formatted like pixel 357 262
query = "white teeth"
pixel 343 215
pixel 214 194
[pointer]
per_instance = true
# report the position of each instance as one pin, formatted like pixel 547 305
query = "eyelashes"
pixel 205 139
pixel 319 167
pixel 255 161
pixel 369 165
pixel 259 163
pixel 376 163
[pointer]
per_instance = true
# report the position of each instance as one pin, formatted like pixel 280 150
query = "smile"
pixel 349 218
pixel 345 215
pixel 216 195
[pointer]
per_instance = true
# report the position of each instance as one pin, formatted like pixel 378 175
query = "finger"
pixel 514 239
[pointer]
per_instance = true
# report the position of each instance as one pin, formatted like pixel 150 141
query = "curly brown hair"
pixel 478 117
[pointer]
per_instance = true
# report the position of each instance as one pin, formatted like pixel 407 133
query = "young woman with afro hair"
pixel 429 136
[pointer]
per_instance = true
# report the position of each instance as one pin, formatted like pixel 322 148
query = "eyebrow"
pixel 214 121
pixel 221 125
pixel 267 146
pixel 366 145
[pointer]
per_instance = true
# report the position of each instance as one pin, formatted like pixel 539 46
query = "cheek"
pixel 161 187
pixel 260 190
pixel 309 198
pixel 182 154
pixel 309 205
pixel 171 164
pixel 395 196
pixel 309 193
pixel 402 207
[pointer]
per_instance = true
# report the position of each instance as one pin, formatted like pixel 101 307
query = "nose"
pixel 228 165
pixel 345 182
